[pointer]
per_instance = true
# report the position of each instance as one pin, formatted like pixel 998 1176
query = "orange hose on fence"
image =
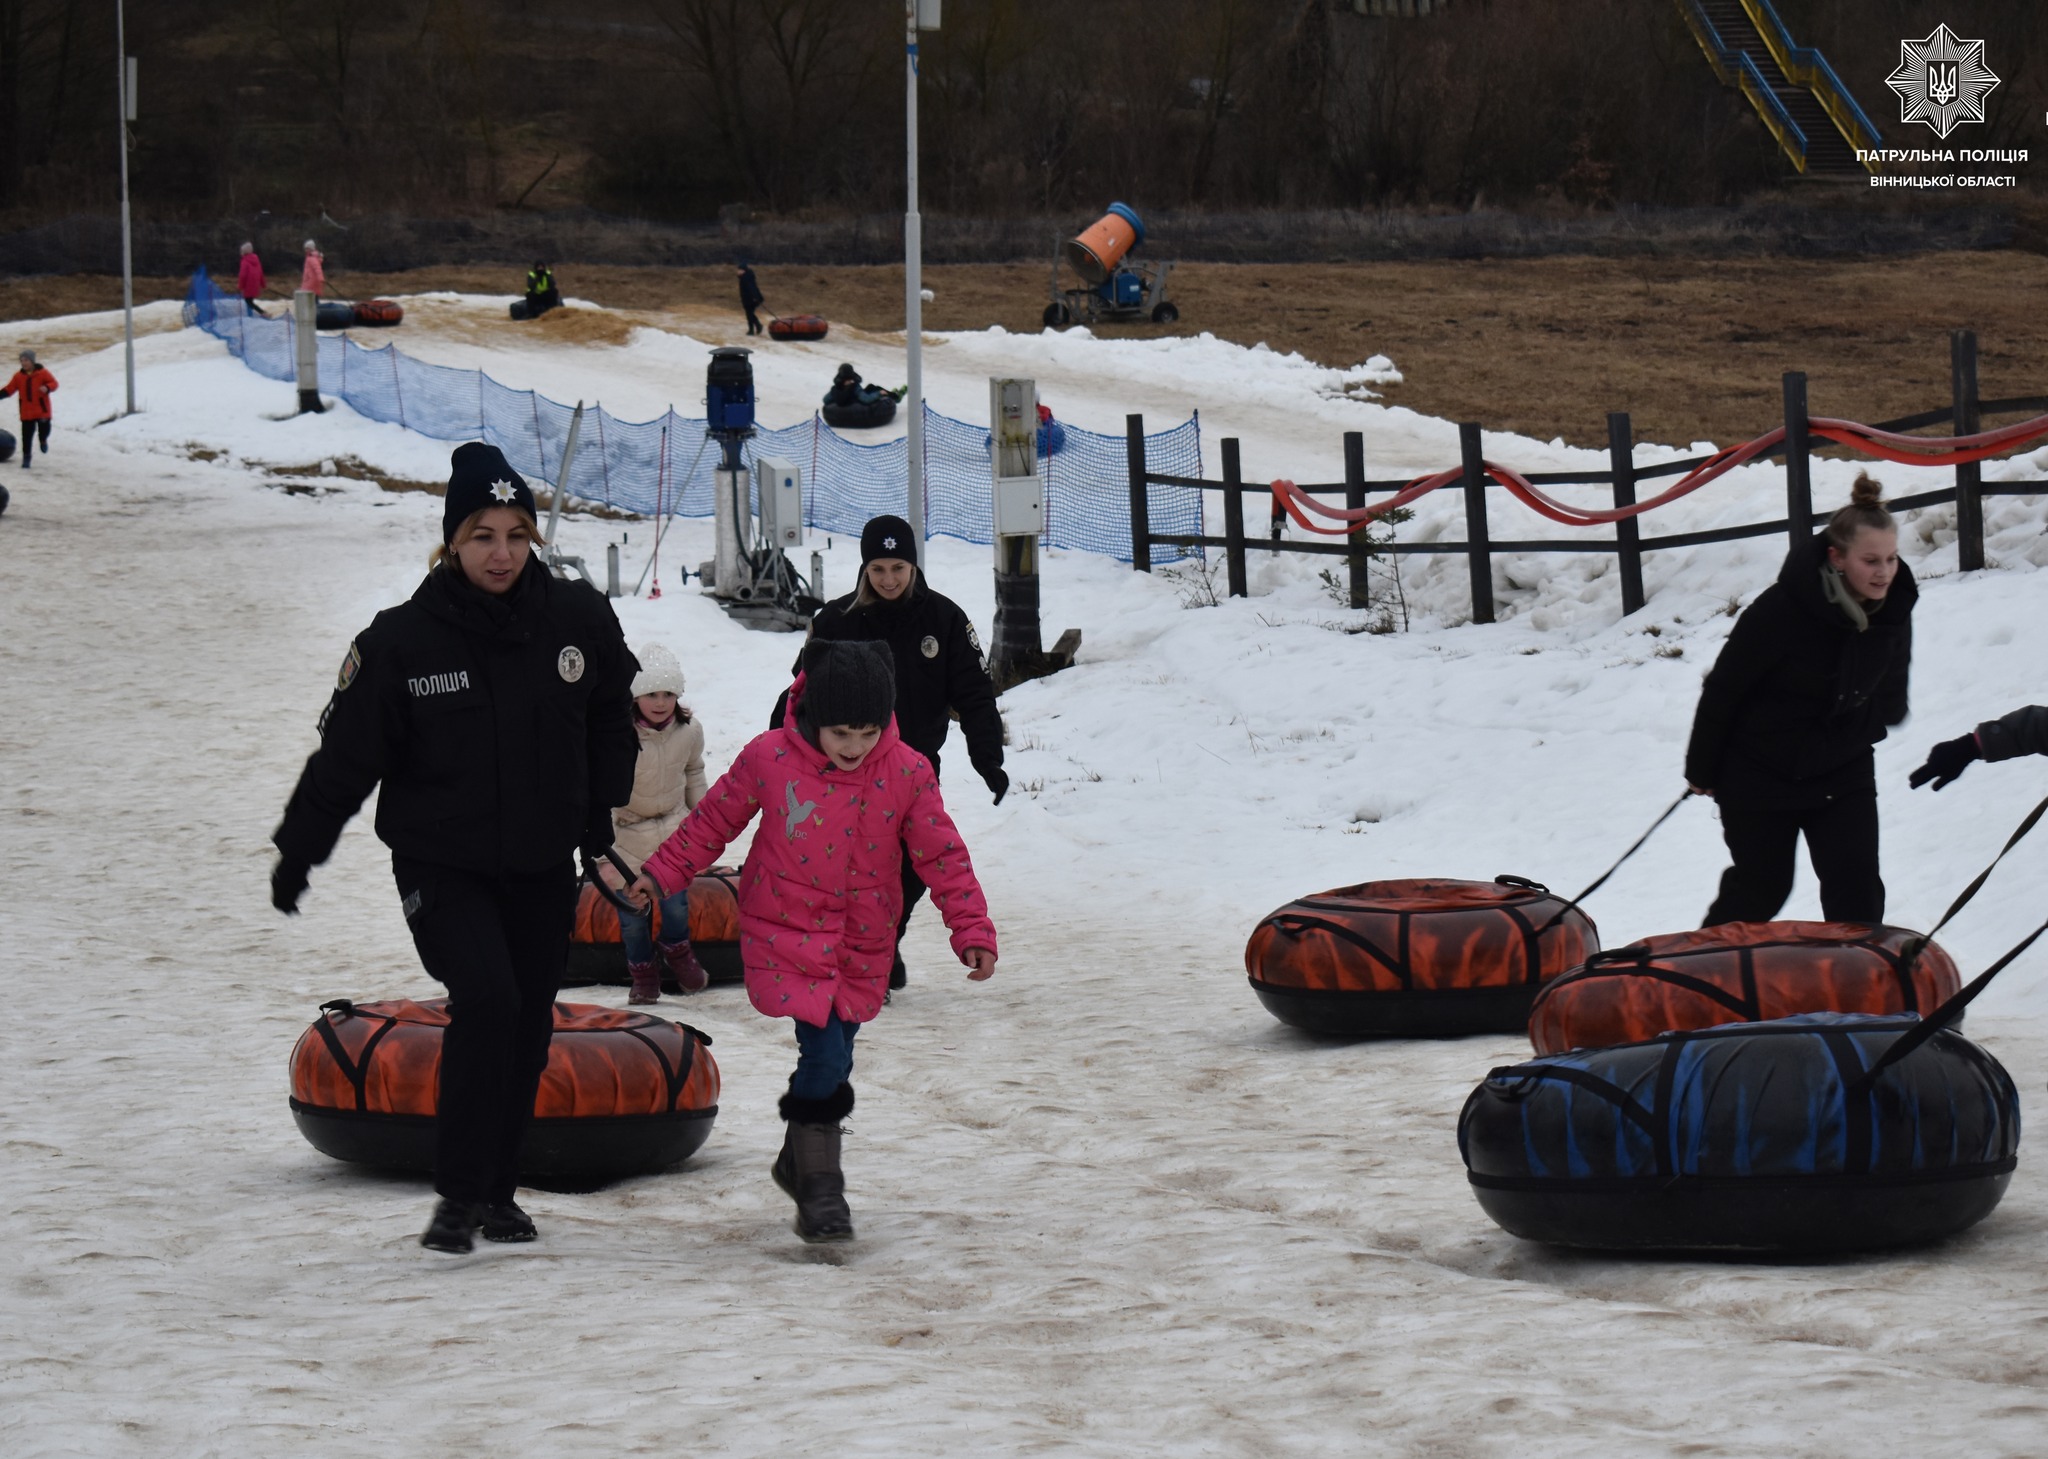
pixel 1886 445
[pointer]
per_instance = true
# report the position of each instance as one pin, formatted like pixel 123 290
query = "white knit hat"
pixel 659 671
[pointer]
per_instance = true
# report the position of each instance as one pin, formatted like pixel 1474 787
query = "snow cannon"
pixel 624 1092
pixel 1097 250
pixel 1763 1138
pixel 1416 959
pixel 1740 972
pixel 595 955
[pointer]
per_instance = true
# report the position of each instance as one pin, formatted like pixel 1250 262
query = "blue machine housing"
pixel 1760 1136
pixel 729 392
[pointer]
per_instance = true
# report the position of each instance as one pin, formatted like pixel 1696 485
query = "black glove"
pixel 998 781
pixel 1945 762
pixel 287 885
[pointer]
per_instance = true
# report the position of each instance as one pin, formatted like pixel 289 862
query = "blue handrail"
pixel 1807 57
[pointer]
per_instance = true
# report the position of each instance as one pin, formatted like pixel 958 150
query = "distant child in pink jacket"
pixel 842 800
pixel 313 277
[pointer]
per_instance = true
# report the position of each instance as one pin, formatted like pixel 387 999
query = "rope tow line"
pixel 1885 445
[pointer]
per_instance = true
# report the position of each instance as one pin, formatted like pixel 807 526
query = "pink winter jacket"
pixel 313 276
pixel 249 275
pixel 822 885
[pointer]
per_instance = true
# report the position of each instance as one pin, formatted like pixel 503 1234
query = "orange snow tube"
pixel 624 1093
pixel 1739 972
pixel 379 312
pixel 1416 959
pixel 798 326
pixel 596 957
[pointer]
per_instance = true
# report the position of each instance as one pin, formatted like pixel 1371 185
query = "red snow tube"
pixel 798 326
pixel 1739 972
pixel 1416 959
pixel 379 312
pixel 624 1093
pixel 596 957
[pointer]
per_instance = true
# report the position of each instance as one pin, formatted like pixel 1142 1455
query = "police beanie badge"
pixel 479 476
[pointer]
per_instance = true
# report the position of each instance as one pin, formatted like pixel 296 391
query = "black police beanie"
pixel 887 537
pixel 479 476
pixel 846 682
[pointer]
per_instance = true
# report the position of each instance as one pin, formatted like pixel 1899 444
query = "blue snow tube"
pixel 1754 1137
pixel 7 444
pixel 334 314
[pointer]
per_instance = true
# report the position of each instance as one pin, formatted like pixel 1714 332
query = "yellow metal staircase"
pixel 1797 94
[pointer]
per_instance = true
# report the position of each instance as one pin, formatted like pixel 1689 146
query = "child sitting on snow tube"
pixel 2023 732
pixel 852 405
pixel 821 892
pixel 668 781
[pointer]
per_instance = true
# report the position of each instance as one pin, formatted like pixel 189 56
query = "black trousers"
pixel 1763 835
pixel 499 945
pixel 30 429
pixel 753 320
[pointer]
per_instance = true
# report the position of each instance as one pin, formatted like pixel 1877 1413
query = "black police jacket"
pixel 1798 695
pixel 501 729
pixel 939 670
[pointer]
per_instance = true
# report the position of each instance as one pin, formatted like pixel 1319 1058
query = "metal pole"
pixel 1798 468
pixel 1962 357
pixel 121 103
pixel 913 284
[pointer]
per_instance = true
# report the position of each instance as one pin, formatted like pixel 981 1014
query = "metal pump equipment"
pixel 756 514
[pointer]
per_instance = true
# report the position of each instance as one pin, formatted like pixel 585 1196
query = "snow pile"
pixel 1107 1206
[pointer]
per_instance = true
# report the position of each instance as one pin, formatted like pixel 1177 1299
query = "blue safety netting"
pixel 664 466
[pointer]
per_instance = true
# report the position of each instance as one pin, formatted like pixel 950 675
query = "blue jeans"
pixel 636 930
pixel 824 1058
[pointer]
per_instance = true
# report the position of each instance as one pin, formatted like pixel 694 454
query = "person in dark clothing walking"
pixel 1814 672
pixel 495 708
pixel 2023 732
pixel 751 298
pixel 939 668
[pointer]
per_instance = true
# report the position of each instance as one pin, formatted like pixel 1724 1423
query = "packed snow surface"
pixel 1107 1206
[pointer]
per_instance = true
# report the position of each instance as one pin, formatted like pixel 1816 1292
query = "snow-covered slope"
pixel 1107 1206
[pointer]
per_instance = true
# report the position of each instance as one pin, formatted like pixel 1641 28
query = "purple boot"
pixel 646 983
pixel 683 966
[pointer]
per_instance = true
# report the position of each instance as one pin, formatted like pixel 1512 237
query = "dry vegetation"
pixel 1693 350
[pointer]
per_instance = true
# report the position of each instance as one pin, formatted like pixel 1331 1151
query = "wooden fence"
pixel 1963 414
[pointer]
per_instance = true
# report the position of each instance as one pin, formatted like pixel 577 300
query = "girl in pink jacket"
pixel 313 277
pixel 842 800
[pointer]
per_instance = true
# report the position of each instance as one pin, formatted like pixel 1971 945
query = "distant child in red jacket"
pixel 249 276
pixel 313 277
pixel 33 384
pixel 842 799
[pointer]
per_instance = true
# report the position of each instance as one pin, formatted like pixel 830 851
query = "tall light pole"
pixel 124 93
pixel 917 15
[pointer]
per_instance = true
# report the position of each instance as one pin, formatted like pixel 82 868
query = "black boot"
pixel 453 1227
pixel 504 1221
pixel 808 1168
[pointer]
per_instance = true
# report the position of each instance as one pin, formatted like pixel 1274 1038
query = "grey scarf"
pixel 1836 590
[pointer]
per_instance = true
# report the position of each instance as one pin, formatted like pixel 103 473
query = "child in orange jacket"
pixel 33 384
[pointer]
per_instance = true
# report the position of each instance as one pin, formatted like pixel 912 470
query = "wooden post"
pixel 1479 549
pixel 1141 517
pixel 1798 468
pixel 1354 498
pixel 1233 518
pixel 1962 359
pixel 1621 460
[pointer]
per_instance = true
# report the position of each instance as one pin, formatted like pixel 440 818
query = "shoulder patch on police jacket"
pixel 350 667
pixel 973 639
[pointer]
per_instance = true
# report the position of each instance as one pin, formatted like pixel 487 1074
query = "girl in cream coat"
pixel 667 784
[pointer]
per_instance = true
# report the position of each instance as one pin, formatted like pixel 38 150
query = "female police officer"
pixel 939 671
pixel 495 708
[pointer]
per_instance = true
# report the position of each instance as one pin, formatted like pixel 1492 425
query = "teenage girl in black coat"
pixel 1814 673
pixel 495 708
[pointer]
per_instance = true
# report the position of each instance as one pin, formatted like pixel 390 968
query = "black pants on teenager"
pixel 499 945
pixel 29 430
pixel 1763 835
pixel 753 319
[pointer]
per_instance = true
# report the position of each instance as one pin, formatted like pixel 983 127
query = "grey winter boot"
pixel 808 1168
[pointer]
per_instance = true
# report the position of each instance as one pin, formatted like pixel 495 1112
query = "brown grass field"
pixel 1694 349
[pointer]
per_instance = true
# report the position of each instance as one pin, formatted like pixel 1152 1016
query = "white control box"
pixel 1018 505
pixel 779 488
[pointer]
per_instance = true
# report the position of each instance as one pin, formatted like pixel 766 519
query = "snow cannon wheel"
pixel 1415 959
pixel 379 313
pixel 7 444
pixel 1058 316
pixel 1748 1138
pixel 624 1093
pixel 799 327
pixel 334 314
pixel 1739 972
pixel 1164 313
pixel 595 955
